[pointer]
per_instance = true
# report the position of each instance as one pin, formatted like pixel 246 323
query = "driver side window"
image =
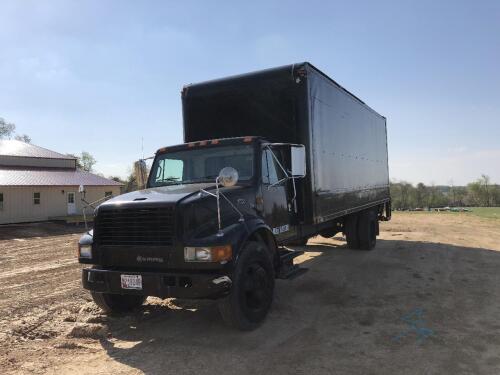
pixel 271 171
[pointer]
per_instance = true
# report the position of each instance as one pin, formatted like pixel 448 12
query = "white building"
pixel 37 184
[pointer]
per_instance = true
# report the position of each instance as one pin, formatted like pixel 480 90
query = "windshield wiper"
pixel 212 177
pixel 200 179
pixel 168 181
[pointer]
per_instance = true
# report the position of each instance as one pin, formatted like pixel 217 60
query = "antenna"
pixel 142 147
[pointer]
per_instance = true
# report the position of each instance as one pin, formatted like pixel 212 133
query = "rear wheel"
pixel 367 230
pixel 351 231
pixel 117 303
pixel 252 290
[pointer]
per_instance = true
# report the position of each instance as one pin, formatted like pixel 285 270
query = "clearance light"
pixel 219 254
pixel 247 139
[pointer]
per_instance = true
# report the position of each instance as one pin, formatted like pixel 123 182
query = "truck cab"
pixel 183 235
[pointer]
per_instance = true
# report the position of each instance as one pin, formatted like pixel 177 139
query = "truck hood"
pixel 164 194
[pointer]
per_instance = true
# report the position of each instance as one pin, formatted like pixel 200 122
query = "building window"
pixel 1 201
pixel 36 198
pixel 108 194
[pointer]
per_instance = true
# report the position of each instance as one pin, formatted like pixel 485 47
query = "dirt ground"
pixel 425 301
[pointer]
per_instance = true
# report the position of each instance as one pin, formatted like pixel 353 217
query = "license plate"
pixel 131 282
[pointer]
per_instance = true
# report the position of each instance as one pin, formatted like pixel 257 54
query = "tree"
pixel 474 194
pixel 84 161
pixel 460 193
pixel 23 138
pixel 131 182
pixel 486 194
pixel 495 195
pixel 421 195
pixel 117 179
pixel 481 192
pixel 6 129
pixel 406 190
pixel 403 195
pixel 87 161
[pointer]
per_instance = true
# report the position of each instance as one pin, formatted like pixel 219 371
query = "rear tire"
pixel 117 303
pixel 367 230
pixel 351 231
pixel 251 296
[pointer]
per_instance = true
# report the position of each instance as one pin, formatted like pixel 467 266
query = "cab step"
pixel 288 270
pixel 293 273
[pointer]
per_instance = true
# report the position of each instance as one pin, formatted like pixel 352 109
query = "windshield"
pixel 201 165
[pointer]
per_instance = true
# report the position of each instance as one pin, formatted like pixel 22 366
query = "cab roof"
pixel 212 142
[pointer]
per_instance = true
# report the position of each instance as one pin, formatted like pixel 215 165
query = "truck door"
pixel 277 197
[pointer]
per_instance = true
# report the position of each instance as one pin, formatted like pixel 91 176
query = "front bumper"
pixel 163 285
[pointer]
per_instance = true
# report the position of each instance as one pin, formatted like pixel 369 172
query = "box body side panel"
pixel 348 150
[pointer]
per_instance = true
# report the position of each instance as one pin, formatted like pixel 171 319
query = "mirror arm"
pixel 294 199
pixel 219 233
pixel 242 218
pixel 217 196
pixel 279 182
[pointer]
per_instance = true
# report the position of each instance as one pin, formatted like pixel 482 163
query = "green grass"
pixel 485 212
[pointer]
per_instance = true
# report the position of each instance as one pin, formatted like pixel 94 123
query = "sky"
pixel 106 76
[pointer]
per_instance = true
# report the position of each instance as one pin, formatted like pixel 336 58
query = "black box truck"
pixel 270 159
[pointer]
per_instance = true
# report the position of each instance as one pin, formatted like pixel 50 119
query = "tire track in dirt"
pixel 341 317
pixel 41 281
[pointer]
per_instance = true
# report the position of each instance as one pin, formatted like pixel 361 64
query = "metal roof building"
pixel 37 184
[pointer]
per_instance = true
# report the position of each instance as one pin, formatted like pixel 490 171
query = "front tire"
pixel 251 296
pixel 117 303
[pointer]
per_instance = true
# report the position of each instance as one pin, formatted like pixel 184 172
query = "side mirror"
pixel 298 161
pixel 228 176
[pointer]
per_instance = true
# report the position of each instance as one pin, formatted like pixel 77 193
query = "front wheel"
pixel 252 290
pixel 117 303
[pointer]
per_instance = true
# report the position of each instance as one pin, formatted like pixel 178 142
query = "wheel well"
pixel 264 235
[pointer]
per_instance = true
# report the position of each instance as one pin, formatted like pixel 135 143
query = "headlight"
pixel 85 251
pixel 208 254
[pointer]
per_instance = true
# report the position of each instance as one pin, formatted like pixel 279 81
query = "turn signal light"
pixel 220 254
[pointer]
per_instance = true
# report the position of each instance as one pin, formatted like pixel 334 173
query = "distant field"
pixel 486 212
